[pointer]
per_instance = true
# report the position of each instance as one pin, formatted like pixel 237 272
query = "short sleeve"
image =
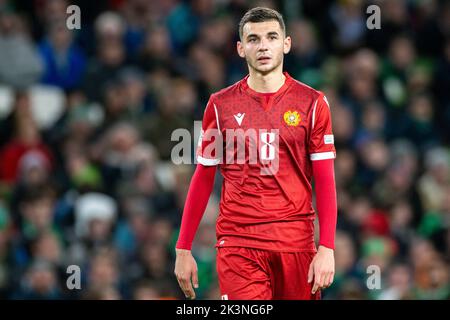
pixel 321 143
pixel 208 149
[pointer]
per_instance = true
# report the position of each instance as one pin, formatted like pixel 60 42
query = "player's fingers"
pixel 317 279
pixel 184 280
pixel 195 278
pixel 315 288
pixel 188 290
pixel 311 272
pixel 331 278
pixel 326 281
pixel 323 277
pixel 180 283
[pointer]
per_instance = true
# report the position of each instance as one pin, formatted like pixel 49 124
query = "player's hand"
pixel 186 272
pixel 321 269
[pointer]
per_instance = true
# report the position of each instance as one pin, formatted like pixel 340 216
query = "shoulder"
pixel 306 91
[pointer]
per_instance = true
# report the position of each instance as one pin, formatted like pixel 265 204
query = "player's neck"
pixel 266 83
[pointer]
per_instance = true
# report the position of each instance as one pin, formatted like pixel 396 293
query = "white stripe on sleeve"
pixel 322 155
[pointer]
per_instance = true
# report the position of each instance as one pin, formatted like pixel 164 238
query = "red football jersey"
pixel 266 198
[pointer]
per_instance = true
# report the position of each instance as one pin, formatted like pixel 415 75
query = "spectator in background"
pixel 430 273
pixel 156 50
pixel 51 11
pixel 104 293
pixel 398 283
pixel 27 139
pixel 103 280
pixel 401 225
pixel 137 14
pixel 135 226
pixel 373 122
pixel 437 175
pixel 110 58
pixel 347 269
pixel 145 290
pixel 114 103
pixel 208 68
pixel 34 218
pixel 344 125
pixel 109 26
pixel 20 65
pixel 172 113
pixel 440 86
pixel 64 61
pixel 374 159
pixel 361 80
pixel 154 264
pixel 40 283
pixel 47 246
pixel 185 20
pixel 6 259
pixel 400 60
pixel 418 123
pixel 305 57
pixel 95 217
pixel 132 81
pixel 350 23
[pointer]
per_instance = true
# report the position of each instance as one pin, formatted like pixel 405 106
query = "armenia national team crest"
pixel 292 118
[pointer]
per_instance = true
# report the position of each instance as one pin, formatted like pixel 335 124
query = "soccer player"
pixel 265 228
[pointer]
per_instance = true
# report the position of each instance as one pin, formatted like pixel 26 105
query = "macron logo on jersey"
pixel 239 117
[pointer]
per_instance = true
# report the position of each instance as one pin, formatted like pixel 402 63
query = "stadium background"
pixel 86 116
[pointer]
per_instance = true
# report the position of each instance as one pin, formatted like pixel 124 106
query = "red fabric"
pixel 376 224
pixel 323 171
pixel 200 189
pixel 268 211
pixel 252 274
pixel 267 96
pixel 11 155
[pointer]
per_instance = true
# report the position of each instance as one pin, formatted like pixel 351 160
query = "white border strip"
pixel 326 100
pixel 322 155
pixel 314 114
pixel 207 162
pixel 217 118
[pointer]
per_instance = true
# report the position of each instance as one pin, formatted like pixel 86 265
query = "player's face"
pixel 263 45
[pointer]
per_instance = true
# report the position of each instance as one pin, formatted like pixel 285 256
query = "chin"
pixel 265 69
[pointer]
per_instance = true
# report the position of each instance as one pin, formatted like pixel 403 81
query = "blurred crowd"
pixel 86 116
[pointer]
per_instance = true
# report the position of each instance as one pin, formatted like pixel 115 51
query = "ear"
pixel 287 45
pixel 240 49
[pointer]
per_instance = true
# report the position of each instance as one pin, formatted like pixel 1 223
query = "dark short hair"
pixel 261 14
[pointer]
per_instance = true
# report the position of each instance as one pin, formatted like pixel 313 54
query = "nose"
pixel 263 45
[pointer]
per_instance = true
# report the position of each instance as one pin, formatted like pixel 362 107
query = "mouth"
pixel 264 59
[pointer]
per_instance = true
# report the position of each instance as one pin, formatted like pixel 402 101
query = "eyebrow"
pixel 254 35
